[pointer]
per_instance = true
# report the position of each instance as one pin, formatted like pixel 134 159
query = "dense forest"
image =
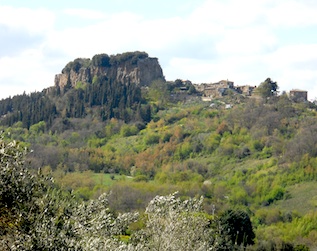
pixel 113 166
pixel 104 98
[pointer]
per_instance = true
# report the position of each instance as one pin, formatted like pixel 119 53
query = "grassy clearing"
pixel 107 179
pixel 126 145
pixel 303 198
pixel 89 179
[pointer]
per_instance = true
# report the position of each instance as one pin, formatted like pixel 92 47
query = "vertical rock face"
pixel 83 75
pixel 134 67
pixel 149 70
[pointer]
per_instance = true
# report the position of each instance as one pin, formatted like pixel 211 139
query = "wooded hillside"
pixel 254 163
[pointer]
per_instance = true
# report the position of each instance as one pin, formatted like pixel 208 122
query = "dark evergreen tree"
pixel 236 224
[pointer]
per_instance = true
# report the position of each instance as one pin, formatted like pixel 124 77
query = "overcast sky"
pixel 245 41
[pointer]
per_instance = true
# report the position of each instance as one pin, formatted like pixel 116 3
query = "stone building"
pixel 298 95
pixel 246 90
pixel 222 88
pixel 217 89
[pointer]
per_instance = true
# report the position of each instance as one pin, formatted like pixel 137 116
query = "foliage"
pixel 76 65
pixel 268 88
pixel 29 109
pixel 132 56
pixel 30 217
pixel 256 156
pixel 101 60
pixel 169 226
pixel 237 225
pixel 98 228
pixel 36 219
pixel 159 92
pixel 95 96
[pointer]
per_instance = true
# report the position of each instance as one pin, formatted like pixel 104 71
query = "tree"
pixel 268 88
pixel 98 228
pixel 173 224
pixel 237 226
pixel 158 92
pixel 102 60
pixel 33 214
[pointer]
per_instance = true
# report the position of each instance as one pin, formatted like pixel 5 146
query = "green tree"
pixel 158 92
pixel 268 88
pixel 38 128
pixel 237 226
pixel 102 60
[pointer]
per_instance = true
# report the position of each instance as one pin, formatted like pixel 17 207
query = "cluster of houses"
pixel 224 87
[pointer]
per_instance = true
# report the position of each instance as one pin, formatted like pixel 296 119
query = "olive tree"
pixel 170 224
pixel 32 211
pixel 173 224
pixel 98 228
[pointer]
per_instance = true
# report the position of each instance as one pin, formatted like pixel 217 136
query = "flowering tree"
pixel 173 224
pixel 98 228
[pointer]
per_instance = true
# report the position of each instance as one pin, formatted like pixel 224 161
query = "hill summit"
pixel 134 67
pixel 103 87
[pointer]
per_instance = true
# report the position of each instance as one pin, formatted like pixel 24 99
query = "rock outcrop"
pixel 135 67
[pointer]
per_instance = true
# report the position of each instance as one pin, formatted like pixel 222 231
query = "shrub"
pixel 275 194
pixel 128 130
pixel 101 60
pixel 140 178
pixel 152 139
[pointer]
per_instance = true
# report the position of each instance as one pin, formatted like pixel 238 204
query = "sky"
pixel 204 41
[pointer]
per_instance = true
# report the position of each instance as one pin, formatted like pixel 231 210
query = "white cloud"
pixel 24 73
pixel 112 34
pixel 32 20
pixel 228 13
pixel 22 62
pixel 293 66
pixel 292 13
pixel 85 13
pixel 246 41
pixel 239 40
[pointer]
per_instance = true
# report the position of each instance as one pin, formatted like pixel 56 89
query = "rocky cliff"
pixel 135 67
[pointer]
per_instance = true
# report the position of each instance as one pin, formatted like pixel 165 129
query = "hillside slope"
pixel 258 155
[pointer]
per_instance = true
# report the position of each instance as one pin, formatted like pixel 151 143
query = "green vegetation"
pixel 76 65
pixel 268 88
pixel 103 60
pixel 37 215
pixel 254 164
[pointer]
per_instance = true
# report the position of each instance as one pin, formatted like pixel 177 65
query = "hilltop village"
pixel 224 87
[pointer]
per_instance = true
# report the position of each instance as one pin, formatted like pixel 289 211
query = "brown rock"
pixel 141 71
